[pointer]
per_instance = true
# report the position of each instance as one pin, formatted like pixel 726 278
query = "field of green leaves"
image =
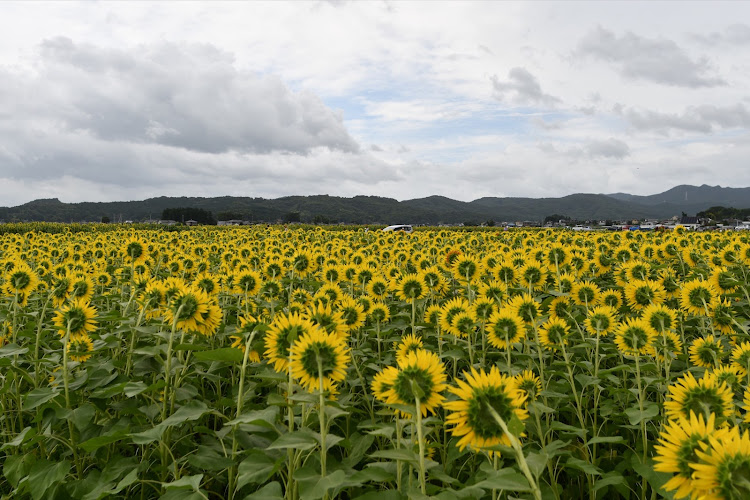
pixel 239 363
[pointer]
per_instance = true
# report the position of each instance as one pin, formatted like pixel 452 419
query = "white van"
pixel 399 227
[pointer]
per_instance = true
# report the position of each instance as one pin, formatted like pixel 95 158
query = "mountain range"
pixel 377 210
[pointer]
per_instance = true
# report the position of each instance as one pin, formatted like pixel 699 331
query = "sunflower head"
pixel 409 343
pixel 484 399
pixel 635 336
pixel 76 318
pixel 319 360
pixel 703 397
pixel 80 348
pixel 505 328
pixel 601 320
pixel 698 297
pixel 281 335
pixel 421 375
pixel 530 384
pixel 707 352
pixel 554 333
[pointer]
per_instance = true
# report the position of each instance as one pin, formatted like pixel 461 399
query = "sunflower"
pixel 463 324
pixel 529 383
pixel 704 396
pixel 507 273
pixel 722 317
pixel 409 343
pixel 660 317
pixel 319 359
pixel 352 312
pixel 561 307
pixel 505 328
pixel 328 319
pixel 434 280
pixel 727 374
pixel 585 293
pixel 281 335
pixel 741 358
pixel 247 282
pixel 643 293
pixel 378 287
pixel 525 306
pixel 557 256
pixel 271 289
pixel 532 276
pixel 698 297
pixel 189 311
pixel 554 333
pixel 135 251
pixel 76 318
pixel 612 298
pixel 601 320
pixel 724 280
pixel 667 345
pixel 379 312
pixel 706 352
pixel 81 286
pixel 208 283
pixel 669 282
pixel 20 280
pixel 679 442
pixel 483 308
pixel 466 269
pixel 493 290
pixel 410 288
pixel 565 282
pixel 483 399
pixel 80 348
pixel 634 336
pixel 302 264
pixel 723 469
pixel 421 375
pixel 329 293
pixel 382 383
pixel 450 309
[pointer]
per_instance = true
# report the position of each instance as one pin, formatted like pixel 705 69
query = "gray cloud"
pixel 185 96
pixel 609 148
pixel 656 60
pixel 521 87
pixel 703 118
pixel 734 34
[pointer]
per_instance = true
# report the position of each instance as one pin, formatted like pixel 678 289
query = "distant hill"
pixel 379 210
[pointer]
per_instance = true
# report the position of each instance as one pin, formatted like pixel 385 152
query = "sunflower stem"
pixel 322 418
pixel 240 403
pixel 66 383
pixel 420 438
pixel 520 458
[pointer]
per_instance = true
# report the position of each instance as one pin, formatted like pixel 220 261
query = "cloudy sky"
pixel 104 101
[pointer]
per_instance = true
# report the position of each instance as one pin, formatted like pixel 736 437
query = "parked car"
pixel 399 227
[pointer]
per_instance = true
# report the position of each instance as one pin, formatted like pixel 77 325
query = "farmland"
pixel 271 362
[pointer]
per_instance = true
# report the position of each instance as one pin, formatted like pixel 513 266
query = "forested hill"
pixel 373 209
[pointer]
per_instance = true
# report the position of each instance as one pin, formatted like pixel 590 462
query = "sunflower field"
pixel 271 362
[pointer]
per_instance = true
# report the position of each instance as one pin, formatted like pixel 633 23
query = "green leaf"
pixel 537 462
pixel 271 491
pixel 399 454
pixel 15 468
pixel 185 482
pixel 44 475
pixel 28 432
pixel 582 465
pixel 504 479
pixel 323 485
pixel 515 426
pixel 257 468
pixel 134 388
pixel 613 479
pixel 38 397
pixel 103 440
pixel 191 411
pixel 12 350
pixel 635 416
pixel 606 439
pixel 83 416
pixel 226 354
pixel 266 418
pixel 207 458
pixel 300 440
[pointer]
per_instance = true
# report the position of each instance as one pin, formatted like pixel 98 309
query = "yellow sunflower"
pixel 505 328
pixel 420 375
pixel 706 352
pixel 484 399
pixel 76 318
pixel 703 397
pixel 678 444
pixel 281 335
pixel 722 469
pixel 319 359
pixel 698 297
pixel 634 336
